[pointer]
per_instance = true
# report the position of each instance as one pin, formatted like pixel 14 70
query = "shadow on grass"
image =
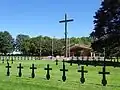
pixel 106 85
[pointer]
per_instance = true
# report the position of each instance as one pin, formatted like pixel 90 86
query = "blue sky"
pixel 41 17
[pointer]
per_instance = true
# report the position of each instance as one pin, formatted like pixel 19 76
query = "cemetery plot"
pixel 98 61
pixel 92 79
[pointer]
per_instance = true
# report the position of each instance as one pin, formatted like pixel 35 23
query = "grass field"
pixel 93 79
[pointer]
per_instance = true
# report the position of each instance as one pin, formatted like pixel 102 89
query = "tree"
pixel 106 32
pixel 6 42
pixel 19 41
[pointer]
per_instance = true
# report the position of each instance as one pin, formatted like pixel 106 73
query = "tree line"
pixel 40 45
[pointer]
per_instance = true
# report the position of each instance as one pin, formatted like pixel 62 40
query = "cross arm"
pixel 104 72
pixel 82 71
pixel 47 69
pixel 66 21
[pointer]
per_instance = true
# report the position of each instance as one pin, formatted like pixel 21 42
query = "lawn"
pixel 93 79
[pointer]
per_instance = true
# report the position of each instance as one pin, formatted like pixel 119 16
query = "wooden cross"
pixel 104 81
pixel 64 77
pixel 82 79
pixel 33 68
pixel 48 71
pixel 66 21
pixel 20 72
pixel 8 69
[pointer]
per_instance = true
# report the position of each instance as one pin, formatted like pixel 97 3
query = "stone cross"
pixel 33 68
pixel 64 70
pixel 104 81
pixel 20 68
pixel 8 69
pixel 48 71
pixel 66 21
pixel 82 79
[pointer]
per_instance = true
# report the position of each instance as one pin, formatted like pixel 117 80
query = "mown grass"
pixel 93 79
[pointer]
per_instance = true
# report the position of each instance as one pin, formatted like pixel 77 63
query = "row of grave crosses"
pixel 3 58
pixel 82 71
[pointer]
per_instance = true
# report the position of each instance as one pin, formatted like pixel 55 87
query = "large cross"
pixel 64 77
pixel 82 79
pixel 48 72
pixel 104 81
pixel 20 67
pixel 66 21
pixel 8 69
pixel 33 68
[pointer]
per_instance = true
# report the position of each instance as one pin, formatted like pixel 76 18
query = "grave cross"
pixel 33 68
pixel 8 69
pixel 12 60
pixel 20 72
pixel 48 71
pixel 71 62
pixel 78 61
pixel 66 21
pixel 87 61
pixel 111 58
pixel 98 58
pixel 114 63
pixel 64 77
pixel 7 60
pixel 104 81
pixel 117 59
pixel 56 62
pixel 82 79
pixel 2 60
